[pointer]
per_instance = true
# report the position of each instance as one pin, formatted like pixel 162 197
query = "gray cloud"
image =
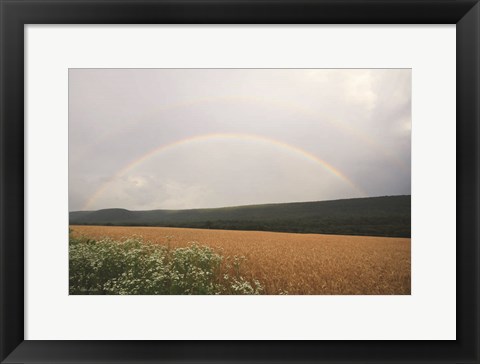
pixel 357 121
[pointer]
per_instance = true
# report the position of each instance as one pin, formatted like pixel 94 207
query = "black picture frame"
pixel 16 13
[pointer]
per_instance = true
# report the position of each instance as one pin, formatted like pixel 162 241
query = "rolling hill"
pixel 374 216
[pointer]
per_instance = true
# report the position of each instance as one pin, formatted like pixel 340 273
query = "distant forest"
pixel 374 216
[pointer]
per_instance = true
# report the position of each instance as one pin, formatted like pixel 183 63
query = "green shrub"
pixel 134 267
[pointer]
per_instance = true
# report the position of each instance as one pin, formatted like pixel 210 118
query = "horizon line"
pixel 236 206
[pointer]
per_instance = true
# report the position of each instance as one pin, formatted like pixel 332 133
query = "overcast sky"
pixel 176 139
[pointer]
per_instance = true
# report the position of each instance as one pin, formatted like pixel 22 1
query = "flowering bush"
pixel 134 267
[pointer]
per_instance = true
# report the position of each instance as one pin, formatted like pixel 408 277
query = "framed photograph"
pixel 239 181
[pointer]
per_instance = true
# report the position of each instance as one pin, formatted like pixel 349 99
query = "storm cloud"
pixel 189 138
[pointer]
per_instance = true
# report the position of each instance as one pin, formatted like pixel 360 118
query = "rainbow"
pixel 222 136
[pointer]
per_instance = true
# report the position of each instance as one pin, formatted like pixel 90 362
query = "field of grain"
pixel 293 263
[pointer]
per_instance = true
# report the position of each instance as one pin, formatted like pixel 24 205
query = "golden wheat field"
pixel 293 263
